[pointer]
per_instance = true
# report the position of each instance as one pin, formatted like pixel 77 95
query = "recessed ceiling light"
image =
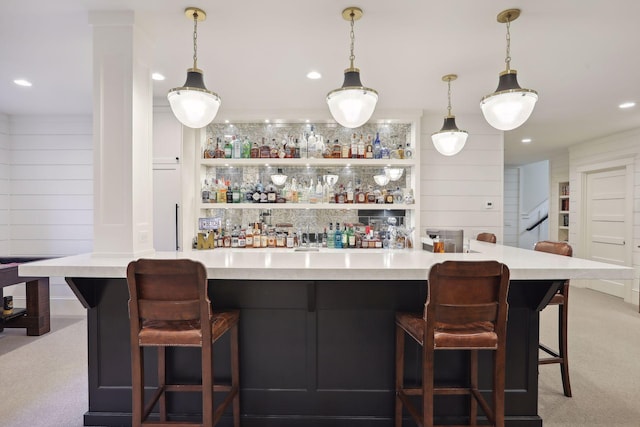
pixel 314 75
pixel 266 120
pixel 23 82
pixel 157 76
pixel 627 105
pixel 526 140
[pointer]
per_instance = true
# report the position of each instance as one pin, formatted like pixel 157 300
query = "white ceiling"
pixel 582 56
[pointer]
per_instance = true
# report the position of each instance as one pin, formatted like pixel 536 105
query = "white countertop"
pixel 337 264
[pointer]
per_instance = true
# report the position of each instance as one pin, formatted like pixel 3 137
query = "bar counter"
pixel 316 331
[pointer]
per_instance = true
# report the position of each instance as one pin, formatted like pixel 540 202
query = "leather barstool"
pixel 466 309
pixel 487 237
pixel 561 299
pixel 169 307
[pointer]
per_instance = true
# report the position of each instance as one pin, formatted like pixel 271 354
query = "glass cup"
pixel 438 245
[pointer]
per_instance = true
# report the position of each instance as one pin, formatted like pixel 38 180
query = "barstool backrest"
pixel 558 248
pixel 462 293
pixel 486 237
pixel 168 291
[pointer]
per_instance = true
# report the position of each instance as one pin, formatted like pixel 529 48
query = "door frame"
pixel 583 172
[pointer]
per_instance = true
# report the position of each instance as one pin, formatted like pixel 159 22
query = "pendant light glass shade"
pixel 352 105
pixel 449 140
pixel 193 104
pixel 510 105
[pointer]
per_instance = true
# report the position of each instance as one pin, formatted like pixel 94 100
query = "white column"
pixel 122 131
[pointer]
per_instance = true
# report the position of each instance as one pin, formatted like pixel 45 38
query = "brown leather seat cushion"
pixel 557 299
pixel 185 332
pixel 467 336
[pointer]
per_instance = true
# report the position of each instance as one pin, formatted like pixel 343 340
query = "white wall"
pixel 619 147
pixel 51 197
pixel 558 172
pixel 454 189
pixel 534 185
pixel 511 205
pixel 5 184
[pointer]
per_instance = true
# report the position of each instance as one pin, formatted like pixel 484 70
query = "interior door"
pixel 606 224
pixel 166 196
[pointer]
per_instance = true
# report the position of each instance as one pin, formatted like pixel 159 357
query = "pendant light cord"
pixel 195 40
pixel 507 60
pixel 449 96
pixel 352 35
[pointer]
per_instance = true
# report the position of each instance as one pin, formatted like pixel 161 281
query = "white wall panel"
pixel 52 157
pixel 53 218
pixel 36 142
pixel 454 189
pixel 50 186
pixel 50 248
pixel 68 172
pixel 460 188
pixel 51 192
pixel 59 232
pixel 55 202
pixel 621 146
pixel 5 184
pixel 511 205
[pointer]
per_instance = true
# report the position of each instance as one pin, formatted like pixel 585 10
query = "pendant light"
pixel 193 104
pixel 449 140
pixel 510 105
pixel 352 105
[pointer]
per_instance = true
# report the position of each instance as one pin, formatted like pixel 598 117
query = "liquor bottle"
pixel 255 151
pixel 351 237
pixel 385 153
pixel 377 147
pixel 346 150
pixel 400 151
pixel 325 238
pixel 205 192
pixel 237 195
pixel 319 191
pixel 361 147
pixel 368 148
pixel 408 151
pixel 256 236
pixel 265 151
pixel 304 153
pixel 246 148
pixel 242 239
pixel 295 195
pixel 229 192
pixel 331 237
pixel 296 145
pixel 354 146
pixel 249 237
pixel 274 152
pixel 228 150
pixel 336 151
pixel 361 197
pixel 345 238
pixel 338 237
pixel 350 194
pixel 210 150
pixel 219 153
pixel 236 144
pixel 271 193
pixel 221 193
pixel 311 145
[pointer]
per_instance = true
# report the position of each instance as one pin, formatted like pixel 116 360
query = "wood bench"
pixel 36 316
